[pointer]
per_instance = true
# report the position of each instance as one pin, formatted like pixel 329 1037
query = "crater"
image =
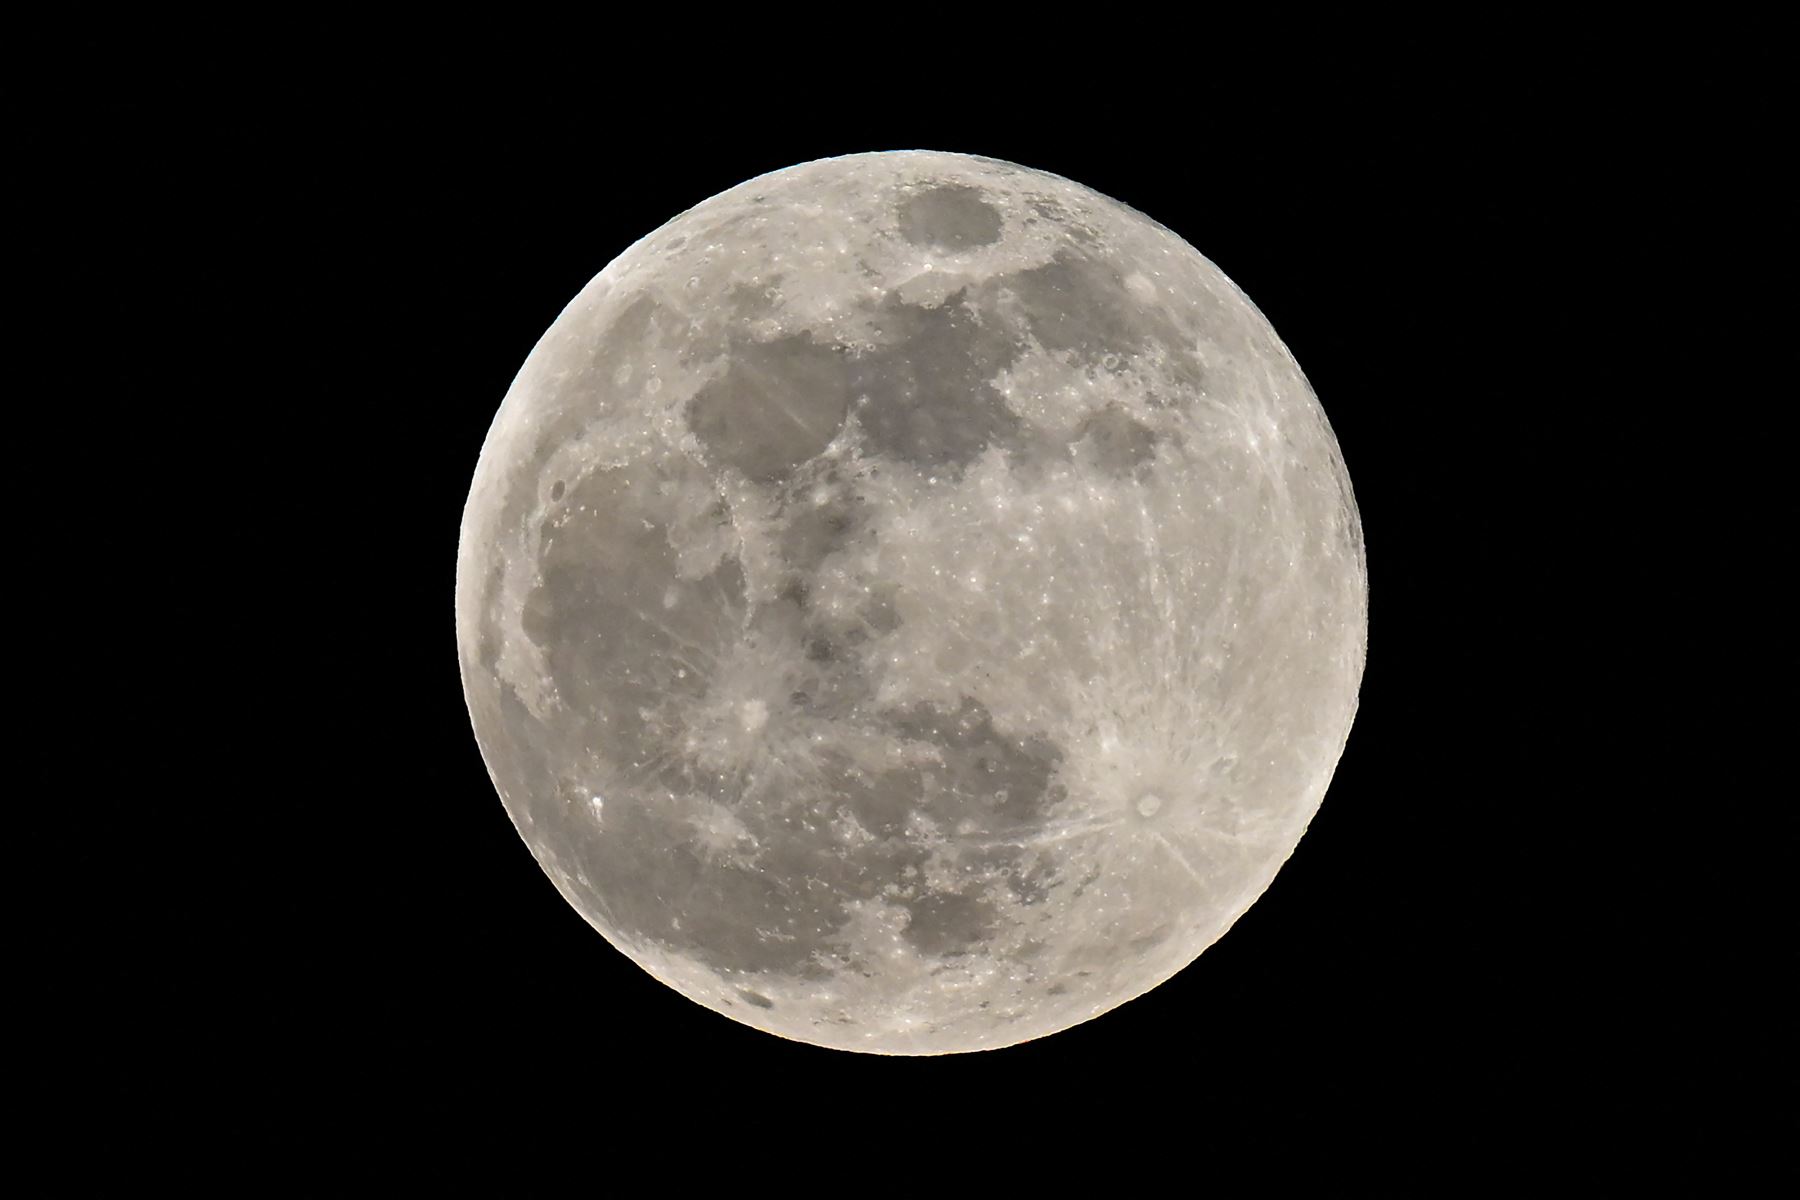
pixel 756 998
pixel 951 217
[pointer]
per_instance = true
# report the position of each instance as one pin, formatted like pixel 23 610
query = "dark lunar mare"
pixel 631 646
pixel 625 637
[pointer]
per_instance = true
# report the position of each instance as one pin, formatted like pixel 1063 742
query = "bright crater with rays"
pixel 911 603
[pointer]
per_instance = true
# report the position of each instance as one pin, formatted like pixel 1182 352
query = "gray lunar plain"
pixel 911 603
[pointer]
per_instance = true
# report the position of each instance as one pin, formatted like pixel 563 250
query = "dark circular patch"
pixel 952 217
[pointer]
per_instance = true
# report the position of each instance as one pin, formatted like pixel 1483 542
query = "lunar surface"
pixel 911 603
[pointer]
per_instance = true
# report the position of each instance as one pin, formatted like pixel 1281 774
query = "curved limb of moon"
pixel 911 603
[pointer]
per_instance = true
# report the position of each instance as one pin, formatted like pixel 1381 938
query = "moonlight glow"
pixel 911 603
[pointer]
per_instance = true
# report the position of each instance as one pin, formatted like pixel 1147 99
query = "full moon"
pixel 911 603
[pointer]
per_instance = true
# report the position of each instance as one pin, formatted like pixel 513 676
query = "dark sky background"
pixel 1488 952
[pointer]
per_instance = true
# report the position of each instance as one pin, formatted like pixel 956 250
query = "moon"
pixel 911 603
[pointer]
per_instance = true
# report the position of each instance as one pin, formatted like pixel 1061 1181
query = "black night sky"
pixel 312 930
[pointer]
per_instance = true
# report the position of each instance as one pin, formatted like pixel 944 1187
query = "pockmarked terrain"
pixel 911 603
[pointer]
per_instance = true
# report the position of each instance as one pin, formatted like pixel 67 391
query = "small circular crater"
pixel 1149 804
pixel 556 490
